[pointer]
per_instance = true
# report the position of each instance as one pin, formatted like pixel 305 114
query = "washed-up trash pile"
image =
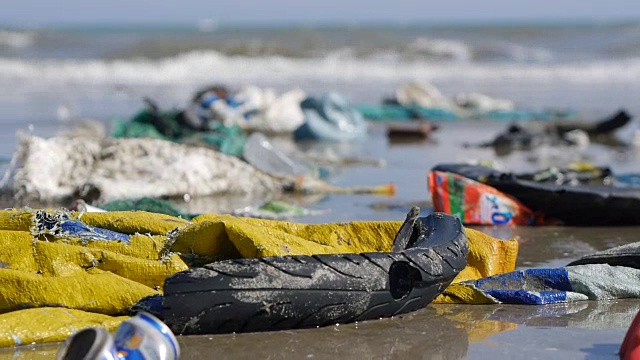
pixel 154 123
pixel 66 271
pixel 203 150
pixel 424 101
pixel 583 195
pixel 251 108
pixel 181 154
pixel 99 170
pixel 298 290
pixel 72 271
pixel 221 119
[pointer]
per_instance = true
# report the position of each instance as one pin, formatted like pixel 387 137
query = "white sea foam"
pixel 16 39
pixel 196 67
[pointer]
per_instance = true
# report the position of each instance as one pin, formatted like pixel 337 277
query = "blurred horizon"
pixel 329 24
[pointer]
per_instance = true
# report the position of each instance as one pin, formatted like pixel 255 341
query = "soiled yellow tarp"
pixel 54 324
pixel 100 278
pixel 95 291
pixel 131 222
pixel 106 277
pixel 216 235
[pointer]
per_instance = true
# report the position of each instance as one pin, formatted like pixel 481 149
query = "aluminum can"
pixel 145 337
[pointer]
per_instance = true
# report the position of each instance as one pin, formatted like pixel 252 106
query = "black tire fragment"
pixel 288 292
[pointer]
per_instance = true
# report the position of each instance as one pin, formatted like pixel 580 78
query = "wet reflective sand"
pixel 586 330
pixel 590 330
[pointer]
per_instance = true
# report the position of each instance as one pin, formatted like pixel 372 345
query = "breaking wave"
pixel 198 66
pixel 419 48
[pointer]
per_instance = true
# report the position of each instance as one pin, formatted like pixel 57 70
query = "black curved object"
pixel 289 292
pixel 583 205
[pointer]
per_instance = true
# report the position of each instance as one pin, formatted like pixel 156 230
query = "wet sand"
pixel 443 332
pixel 590 330
pixel 584 330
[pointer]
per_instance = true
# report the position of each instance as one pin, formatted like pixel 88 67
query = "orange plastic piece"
pixel 476 203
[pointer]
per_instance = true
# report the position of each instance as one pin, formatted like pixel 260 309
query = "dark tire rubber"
pixel 288 292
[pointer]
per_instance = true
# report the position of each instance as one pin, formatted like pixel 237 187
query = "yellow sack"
pixel 105 277
pixel 132 222
pixel 95 291
pixel 17 251
pixel 227 236
pixel 40 325
pixel 16 220
pixel 150 247
pixel 64 259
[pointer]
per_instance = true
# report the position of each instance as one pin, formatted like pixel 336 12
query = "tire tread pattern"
pixel 285 292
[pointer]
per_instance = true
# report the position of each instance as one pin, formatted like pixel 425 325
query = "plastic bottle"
pixel 262 154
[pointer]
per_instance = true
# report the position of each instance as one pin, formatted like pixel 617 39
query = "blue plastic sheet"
pixel 560 285
pixel 61 224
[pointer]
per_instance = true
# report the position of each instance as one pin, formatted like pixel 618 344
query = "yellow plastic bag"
pixel 49 324
pixel 214 235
